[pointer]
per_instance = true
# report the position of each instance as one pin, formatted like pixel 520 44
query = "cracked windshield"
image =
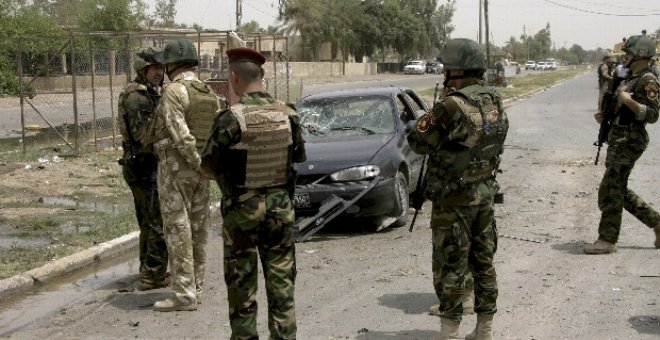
pixel 342 116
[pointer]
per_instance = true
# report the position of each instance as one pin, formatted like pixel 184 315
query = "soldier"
pixel 604 79
pixel 463 135
pixel 636 105
pixel 250 154
pixel 136 104
pixel 179 129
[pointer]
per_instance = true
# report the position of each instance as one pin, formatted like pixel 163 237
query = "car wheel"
pixel 403 197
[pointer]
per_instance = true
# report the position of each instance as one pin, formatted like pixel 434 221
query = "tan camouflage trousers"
pixel 184 202
pixel 464 240
pixel 260 226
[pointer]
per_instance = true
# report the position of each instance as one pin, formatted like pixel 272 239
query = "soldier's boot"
pixel 484 328
pixel 600 247
pixel 657 236
pixel 149 283
pixel 173 304
pixel 448 329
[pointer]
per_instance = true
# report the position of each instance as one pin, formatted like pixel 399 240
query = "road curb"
pixel 25 281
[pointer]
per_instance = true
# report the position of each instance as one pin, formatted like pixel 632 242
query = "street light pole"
pixel 487 33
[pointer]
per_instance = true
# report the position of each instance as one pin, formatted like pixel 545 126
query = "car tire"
pixel 403 197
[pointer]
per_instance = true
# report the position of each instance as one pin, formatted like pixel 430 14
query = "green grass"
pixel 524 85
pixel 93 228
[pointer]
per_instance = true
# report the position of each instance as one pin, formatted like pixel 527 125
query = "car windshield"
pixel 354 115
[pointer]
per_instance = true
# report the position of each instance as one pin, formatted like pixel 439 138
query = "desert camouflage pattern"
pixel 462 221
pixel 184 193
pixel 135 107
pixel 627 141
pixel 257 223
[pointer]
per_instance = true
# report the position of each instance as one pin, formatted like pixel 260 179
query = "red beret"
pixel 242 54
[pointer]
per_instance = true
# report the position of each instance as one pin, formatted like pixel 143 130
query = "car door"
pixel 411 108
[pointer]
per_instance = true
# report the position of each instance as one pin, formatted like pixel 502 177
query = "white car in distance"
pixel 415 67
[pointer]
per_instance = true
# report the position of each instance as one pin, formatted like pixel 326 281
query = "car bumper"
pixel 378 202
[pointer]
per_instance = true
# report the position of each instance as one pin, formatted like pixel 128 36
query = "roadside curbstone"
pixel 23 282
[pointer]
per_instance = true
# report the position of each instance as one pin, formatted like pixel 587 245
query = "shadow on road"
pixel 402 335
pixel 410 303
pixel 572 248
pixel 136 300
pixel 645 324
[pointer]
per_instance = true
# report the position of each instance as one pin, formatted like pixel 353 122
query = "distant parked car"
pixel 415 67
pixel 434 67
pixel 550 64
pixel 530 65
pixel 353 137
pixel 541 66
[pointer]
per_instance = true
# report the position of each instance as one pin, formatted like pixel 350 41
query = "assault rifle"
pixel 418 198
pixel 608 109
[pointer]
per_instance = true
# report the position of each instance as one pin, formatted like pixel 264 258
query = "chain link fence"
pixel 71 83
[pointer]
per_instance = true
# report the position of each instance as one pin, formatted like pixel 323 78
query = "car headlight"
pixel 357 173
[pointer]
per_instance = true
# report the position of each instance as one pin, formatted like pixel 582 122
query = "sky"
pixel 588 23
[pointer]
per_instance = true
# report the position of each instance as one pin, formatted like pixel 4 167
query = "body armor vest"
pixel 146 105
pixel 477 157
pixel 202 111
pixel 265 143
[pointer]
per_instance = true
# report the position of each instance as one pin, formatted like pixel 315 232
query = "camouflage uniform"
pixel 627 141
pixel 462 220
pixel 136 104
pixel 176 131
pixel 257 221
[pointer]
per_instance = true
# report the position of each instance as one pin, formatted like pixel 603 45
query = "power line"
pixel 259 10
pixel 616 6
pixel 601 13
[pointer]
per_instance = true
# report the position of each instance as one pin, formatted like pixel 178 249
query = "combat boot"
pixel 484 328
pixel 600 247
pixel 173 304
pixel 150 283
pixel 657 236
pixel 448 329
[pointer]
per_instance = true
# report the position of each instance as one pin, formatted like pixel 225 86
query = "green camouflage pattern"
pixel 462 220
pixel 184 193
pixel 626 143
pixel 450 126
pixel 135 106
pixel 178 51
pixel 464 243
pixel 640 45
pixel 257 223
pixel 145 57
pixel 463 54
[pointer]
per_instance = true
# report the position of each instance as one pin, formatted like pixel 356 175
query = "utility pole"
pixel 480 24
pixel 239 14
pixel 487 33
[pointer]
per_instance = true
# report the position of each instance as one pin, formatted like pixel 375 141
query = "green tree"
pixel 166 11
pixel 19 19
pixel 111 15
pixel 251 27
pixel 303 17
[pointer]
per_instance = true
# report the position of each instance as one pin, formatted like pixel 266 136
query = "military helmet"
pixel 463 54
pixel 179 51
pixel 640 46
pixel 145 57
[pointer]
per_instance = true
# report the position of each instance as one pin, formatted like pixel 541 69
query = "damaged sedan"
pixel 357 153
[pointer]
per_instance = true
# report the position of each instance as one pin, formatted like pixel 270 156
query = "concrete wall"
pixel 296 70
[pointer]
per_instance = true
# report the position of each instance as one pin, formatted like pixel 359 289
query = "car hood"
pixel 331 154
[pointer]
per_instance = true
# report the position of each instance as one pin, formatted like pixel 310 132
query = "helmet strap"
pixel 169 72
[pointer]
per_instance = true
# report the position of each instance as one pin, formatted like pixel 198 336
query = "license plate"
pixel 301 200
